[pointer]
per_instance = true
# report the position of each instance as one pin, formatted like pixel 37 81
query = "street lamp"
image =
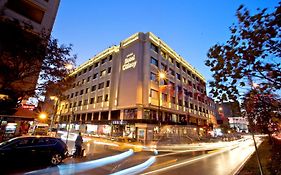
pixel 56 99
pixel 161 76
pixel 42 116
pixel 254 86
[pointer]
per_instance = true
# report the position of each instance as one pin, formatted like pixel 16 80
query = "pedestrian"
pixel 78 145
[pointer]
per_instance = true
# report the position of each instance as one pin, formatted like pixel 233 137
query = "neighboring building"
pixel 117 91
pixel 230 114
pixel 38 14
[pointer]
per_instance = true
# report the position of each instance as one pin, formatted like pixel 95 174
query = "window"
pixel 196 108
pixel 99 99
pixel 172 72
pixel 28 10
pixel 110 58
pixel 173 100
pixel 74 104
pixel 177 64
pixel 103 61
pixel 183 69
pixel 66 105
pixel 90 68
pixel 70 105
pixel 189 83
pixel 186 104
pixel 109 70
pixel 79 103
pixel 103 73
pixel 81 92
pixel 106 97
pixel 163 54
pixel 92 100
pixel 180 102
pixel 88 79
pixel 95 76
pixel 71 95
pixel 68 96
pixel 154 61
pixel 76 93
pixel 178 76
pixel 188 72
pixel 73 85
pixel 94 88
pixel 107 83
pixel 96 64
pixel 153 93
pixel 84 71
pixel 164 97
pixel 163 66
pixel 184 79
pixel 191 106
pixel 83 81
pixel 154 47
pixel 85 102
pixel 87 90
pixel 101 85
pixel 171 59
pixel 153 76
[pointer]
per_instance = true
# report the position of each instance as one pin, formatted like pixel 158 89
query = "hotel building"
pixel 134 89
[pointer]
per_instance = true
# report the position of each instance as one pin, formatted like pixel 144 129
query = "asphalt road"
pixel 220 161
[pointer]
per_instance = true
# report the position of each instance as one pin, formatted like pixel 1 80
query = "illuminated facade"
pixel 120 87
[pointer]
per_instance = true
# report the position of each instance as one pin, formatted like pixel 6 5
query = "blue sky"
pixel 190 27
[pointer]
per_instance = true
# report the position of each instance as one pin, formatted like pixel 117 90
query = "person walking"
pixel 78 145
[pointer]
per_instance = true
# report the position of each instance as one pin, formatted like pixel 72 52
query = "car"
pixel 33 149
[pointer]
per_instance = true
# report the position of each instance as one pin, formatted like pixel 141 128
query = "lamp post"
pixel 56 99
pixel 161 76
pixel 254 86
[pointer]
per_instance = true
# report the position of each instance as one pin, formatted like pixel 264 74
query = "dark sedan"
pixel 33 148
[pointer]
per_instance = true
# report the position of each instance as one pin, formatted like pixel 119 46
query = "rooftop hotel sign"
pixel 130 62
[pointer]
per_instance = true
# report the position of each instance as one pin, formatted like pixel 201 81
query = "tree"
pixel 262 110
pixel 25 56
pixel 252 53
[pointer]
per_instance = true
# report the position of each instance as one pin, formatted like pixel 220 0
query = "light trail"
pixel 136 169
pixel 74 168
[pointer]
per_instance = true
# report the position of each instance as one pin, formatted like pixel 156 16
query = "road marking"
pixel 167 162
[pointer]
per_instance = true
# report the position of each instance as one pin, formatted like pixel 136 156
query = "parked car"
pixel 39 129
pixel 33 148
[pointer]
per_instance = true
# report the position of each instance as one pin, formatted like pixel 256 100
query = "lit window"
pixel 103 73
pixel 99 99
pixel 154 94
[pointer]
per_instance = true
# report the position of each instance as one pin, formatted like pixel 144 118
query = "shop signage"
pixel 130 62
pixel 119 122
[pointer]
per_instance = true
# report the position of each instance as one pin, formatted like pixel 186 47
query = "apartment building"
pixel 135 88
pixel 38 14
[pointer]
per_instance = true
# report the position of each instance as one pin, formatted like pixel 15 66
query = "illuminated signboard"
pixel 30 107
pixel 130 62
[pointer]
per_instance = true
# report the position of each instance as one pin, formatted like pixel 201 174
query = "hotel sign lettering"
pixel 130 62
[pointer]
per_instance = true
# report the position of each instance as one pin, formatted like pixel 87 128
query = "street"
pixel 102 159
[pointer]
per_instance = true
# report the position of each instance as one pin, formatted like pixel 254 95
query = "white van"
pixel 39 129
